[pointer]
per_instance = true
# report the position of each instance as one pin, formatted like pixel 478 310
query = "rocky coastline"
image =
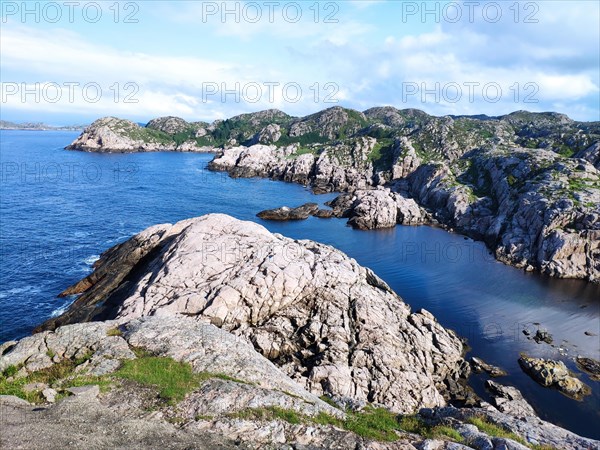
pixel 215 333
pixel 527 184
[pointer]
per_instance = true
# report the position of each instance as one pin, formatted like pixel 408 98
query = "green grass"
pixel 494 430
pixel 382 155
pixel 374 423
pixel 377 424
pixel 50 376
pixel 173 379
pixel 270 413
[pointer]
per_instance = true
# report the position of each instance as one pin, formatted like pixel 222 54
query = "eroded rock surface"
pixel 329 323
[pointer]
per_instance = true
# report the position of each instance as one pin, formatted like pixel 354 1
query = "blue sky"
pixel 72 64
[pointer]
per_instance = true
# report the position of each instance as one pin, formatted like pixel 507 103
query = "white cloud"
pixel 368 63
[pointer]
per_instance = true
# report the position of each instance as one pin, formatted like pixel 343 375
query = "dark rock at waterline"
pixel 543 336
pixel 324 214
pixel 342 205
pixel 480 366
pixel 589 366
pixel 285 213
pixel 554 374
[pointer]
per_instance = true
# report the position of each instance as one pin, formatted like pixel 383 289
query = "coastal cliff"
pixel 216 333
pixel 527 184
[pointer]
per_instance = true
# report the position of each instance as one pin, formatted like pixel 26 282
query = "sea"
pixel 60 209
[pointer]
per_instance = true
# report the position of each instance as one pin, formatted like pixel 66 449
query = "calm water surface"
pixel 59 210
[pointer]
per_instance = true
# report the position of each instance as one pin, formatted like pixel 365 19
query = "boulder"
pixel 550 373
pixel 284 213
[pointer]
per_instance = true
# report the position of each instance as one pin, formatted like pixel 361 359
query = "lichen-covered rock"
pixel 532 429
pixel 374 209
pixel 554 374
pixel 169 125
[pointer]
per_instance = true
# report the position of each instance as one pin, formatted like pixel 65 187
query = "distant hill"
pixel 37 126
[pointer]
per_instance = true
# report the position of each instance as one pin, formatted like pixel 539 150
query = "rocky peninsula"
pixel 215 333
pixel 527 184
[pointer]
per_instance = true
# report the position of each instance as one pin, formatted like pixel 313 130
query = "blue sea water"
pixel 60 209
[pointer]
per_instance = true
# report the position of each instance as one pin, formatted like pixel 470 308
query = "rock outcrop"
pixel 240 399
pixel 302 212
pixel 305 306
pixel 528 184
pixel 267 326
pixel 550 373
pixel 110 134
pixel 488 178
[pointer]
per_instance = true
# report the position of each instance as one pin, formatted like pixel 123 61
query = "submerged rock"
pixel 542 336
pixel 554 374
pixel 480 366
pixel 590 366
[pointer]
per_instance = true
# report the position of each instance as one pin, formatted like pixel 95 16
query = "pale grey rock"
pixel 83 423
pixel 408 211
pixel 219 397
pixel 377 208
pixel 50 395
pixel 305 306
pixel 90 391
pixel 268 135
pixel 6 346
pixel 374 209
pixel 110 134
pixel 11 400
pixel 509 400
pixel 283 435
pixel 169 125
pixel 192 146
pixel 532 429
pixel 31 387
pixel 406 160
pixel 213 350
pixel 591 154
pixel 474 437
pixel 69 342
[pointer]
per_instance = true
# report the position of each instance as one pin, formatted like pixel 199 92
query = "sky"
pixel 75 61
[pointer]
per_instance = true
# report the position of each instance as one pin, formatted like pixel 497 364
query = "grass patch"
pixel 270 413
pixel 173 379
pixel 374 423
pixel 377 424
pixel 51 376
pixel 114 332
pixel 494 430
